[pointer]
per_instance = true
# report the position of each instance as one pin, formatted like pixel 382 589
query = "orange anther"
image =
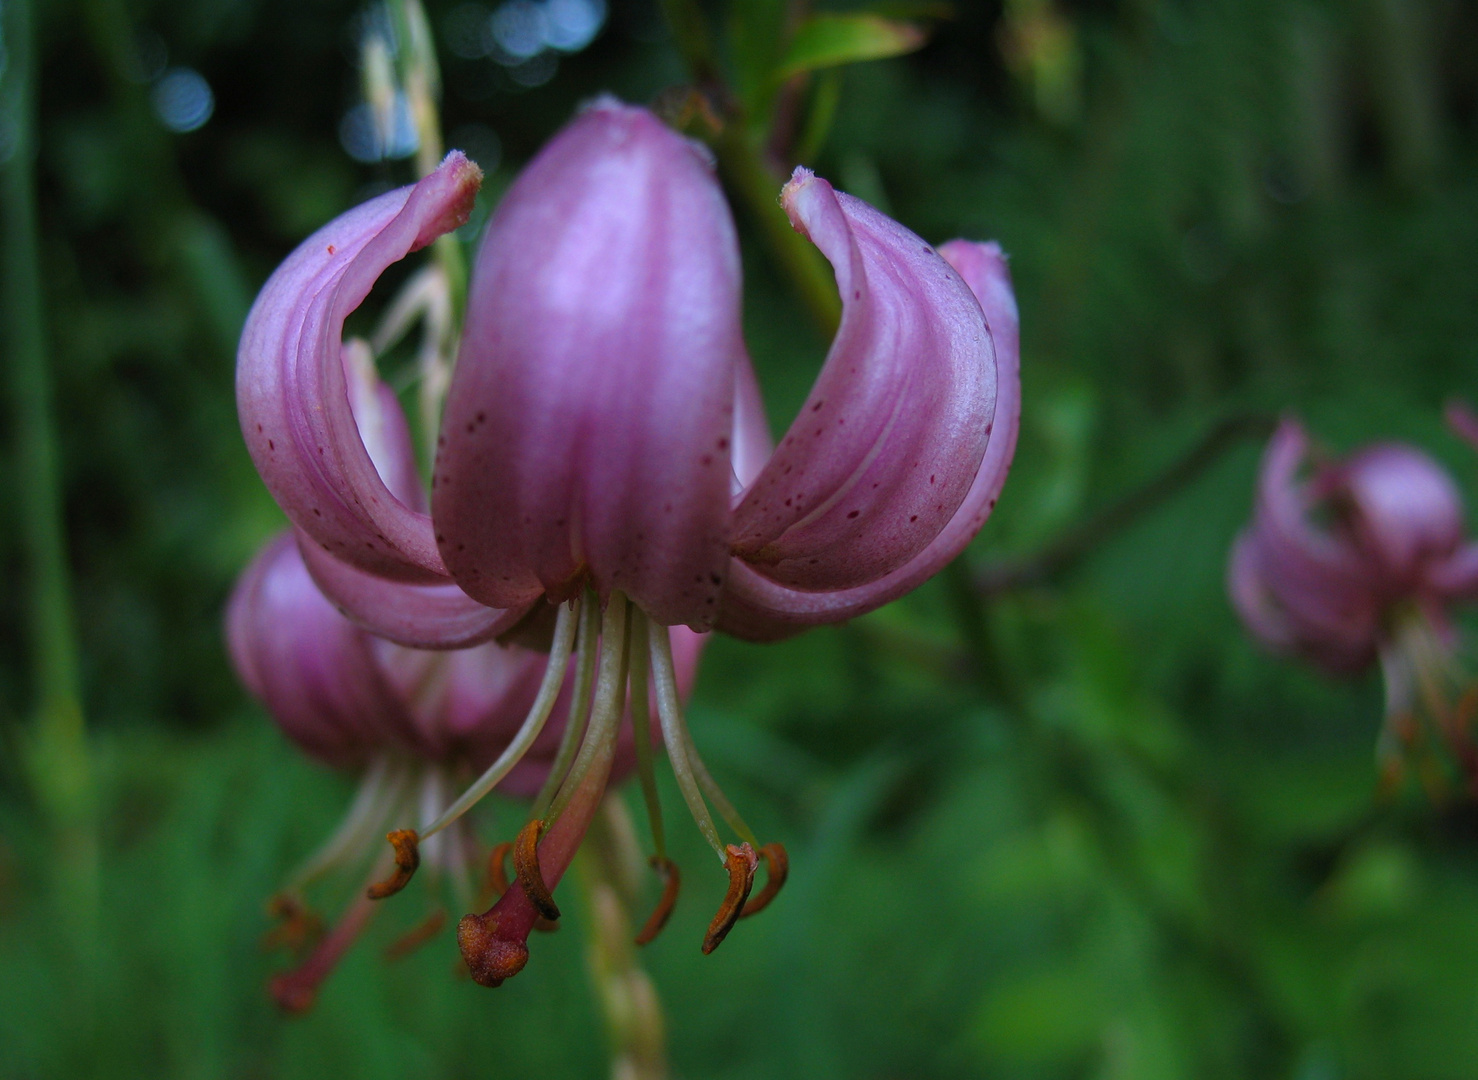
pixel 526 868
pixel 671 882
pixel 497 878
pixel 777 866
pixel 298 927
pixel 497 885
pixel 740 862
pixel 407 858
pixel 416 936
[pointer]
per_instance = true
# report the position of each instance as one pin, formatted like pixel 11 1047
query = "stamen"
pixel 294 991
pixel 416 936
pixel 407 859
pixel 569 741
pixel 671 883
pixel 599 744
pixel 641 731
pixel 715 794
pixel 381 789
pixel 669 710
pixel 549 687
pixel 526 867
pixel 494 944
pixel 298 926
pixel 497 884
pixel 497 879
pixel 777 867
pixel 740 862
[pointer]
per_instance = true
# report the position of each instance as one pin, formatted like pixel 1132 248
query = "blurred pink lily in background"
pixel 1359 562
pixel 604 449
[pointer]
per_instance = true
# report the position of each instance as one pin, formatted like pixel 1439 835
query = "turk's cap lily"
pixel 1329 558
pixel 604 426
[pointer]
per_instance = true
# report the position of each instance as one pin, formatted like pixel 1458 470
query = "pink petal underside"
pixel 892 435
pixel 290 386
pixel 1456 576
pixel 1462 420
pixel 315 672
pixel 591 412
pixel 466 705
pixel 438 616
pixel 1320 579
pixel 1407 509
pixel 758 608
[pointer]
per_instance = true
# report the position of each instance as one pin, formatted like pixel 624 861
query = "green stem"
pixel 61 767
pixel 1079 541
pixel 757 186
pixel 750 177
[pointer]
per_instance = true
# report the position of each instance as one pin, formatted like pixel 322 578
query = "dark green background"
pixel 1138 849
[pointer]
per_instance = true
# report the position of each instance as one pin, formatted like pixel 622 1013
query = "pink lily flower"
pixel 604 446
pixel 1358 563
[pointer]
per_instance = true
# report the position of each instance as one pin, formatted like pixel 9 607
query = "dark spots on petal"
pixel 317 512
pixel 471 427
pixel 715 579
pixel 723 444
pixel 461 547
pixel 440 538
pixel 331 249
pixel 817 407
pixel 857 294
pixel 914 518
pixel 706 460
pixel 789 501
pixel 989 426
pixel 259 429
pixel 370 544
pixel 271 445
pixel 854 513
pixel 931 478
pixel 482 418
pixel 441 440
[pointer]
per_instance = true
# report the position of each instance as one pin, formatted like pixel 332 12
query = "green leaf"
pixel 824 41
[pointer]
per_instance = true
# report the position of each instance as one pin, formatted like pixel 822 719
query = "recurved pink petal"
pixel 290 385
pixel 315 672
pixel 435 616
pixel 1407 510
pixel 759 608
pixel 589 423
pixel 891 438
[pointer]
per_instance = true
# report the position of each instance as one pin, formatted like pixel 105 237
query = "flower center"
pixel 620 661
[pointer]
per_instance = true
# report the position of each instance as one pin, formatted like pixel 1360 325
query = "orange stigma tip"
pixel 416 936
pixel 671 882
pixel 489 958
pixel 741 863
pixel 777 868
pixel 407 858
pixel 526 867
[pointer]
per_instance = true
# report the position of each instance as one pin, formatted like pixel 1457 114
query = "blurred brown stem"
pixel 1069 549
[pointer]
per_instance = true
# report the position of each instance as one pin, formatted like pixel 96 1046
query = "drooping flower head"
pixel 604 447
pixel 1359 562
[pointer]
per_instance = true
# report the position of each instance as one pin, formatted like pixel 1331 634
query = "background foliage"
pixel 1082 830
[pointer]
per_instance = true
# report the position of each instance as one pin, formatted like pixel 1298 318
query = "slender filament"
pixel 641 729
pixel 569 742
pixel 381 788
pixel 605 714
pixel 554 676
pixel 669 710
